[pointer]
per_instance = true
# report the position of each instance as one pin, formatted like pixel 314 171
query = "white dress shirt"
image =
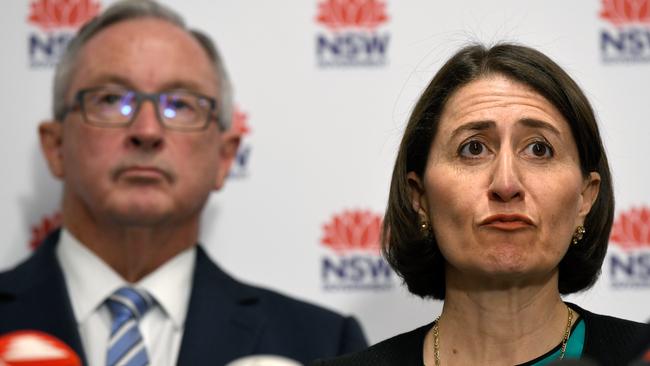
pixel 90 281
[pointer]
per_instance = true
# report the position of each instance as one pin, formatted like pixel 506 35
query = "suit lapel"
pixel 224 320
pixel 37 291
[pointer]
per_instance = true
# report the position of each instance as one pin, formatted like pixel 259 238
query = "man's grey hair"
pixel 133 9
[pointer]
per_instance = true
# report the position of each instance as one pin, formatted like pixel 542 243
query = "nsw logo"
pixel 352 37
pixel 354 261
pixel 627 36
pixel 629 259
pixel 55 22
pixel 241 128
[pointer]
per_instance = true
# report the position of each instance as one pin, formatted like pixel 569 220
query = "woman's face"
pixel 502 187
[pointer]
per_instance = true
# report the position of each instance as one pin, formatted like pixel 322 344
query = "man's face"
pixel 142 174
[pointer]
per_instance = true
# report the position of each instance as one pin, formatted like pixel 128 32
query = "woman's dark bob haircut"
pixel 415 256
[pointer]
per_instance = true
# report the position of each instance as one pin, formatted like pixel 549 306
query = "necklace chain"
pixel 436 337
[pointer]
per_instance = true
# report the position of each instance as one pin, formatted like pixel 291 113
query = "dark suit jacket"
pixel 226 319
pixel 607 341
pixel 639 349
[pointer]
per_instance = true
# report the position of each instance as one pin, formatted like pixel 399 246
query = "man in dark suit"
pixel 140 138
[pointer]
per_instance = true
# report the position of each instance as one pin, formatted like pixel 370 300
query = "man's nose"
pixel 146 131
pixel 505 183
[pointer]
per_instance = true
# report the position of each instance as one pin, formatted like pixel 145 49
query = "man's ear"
pixel 51 137
pixel 590 190
pixel 418 197
pixel 227 153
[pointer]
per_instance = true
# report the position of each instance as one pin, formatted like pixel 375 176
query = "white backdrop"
pixel 324 130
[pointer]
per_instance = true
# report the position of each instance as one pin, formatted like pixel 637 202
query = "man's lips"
pixel 507 222
pixel 143 172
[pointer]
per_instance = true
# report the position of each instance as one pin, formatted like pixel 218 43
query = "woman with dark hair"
pixel 501 201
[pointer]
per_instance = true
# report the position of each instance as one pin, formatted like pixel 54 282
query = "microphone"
pixel 644 360
pixel 35 348
pixel 263 360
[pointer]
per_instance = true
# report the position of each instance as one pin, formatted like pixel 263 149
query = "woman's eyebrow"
pixel 473 126
pixel 488 124
pixel 535 123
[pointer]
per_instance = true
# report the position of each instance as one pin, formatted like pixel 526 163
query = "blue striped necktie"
pixel 125 346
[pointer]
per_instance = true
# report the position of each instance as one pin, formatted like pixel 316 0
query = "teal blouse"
pixel 573 347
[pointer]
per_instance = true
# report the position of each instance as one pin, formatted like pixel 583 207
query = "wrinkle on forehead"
pixel 469 101
pixel 148 52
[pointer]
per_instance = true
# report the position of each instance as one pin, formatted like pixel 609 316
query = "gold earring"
pixel 425 229
pixel 424 226
pixel 578 234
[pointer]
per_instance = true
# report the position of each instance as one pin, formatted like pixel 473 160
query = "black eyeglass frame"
pixel 140 97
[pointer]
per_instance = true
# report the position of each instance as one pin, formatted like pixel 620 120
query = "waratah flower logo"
pixel 47 225
pixel 355 229
pixel 632 229
pixel 337 14
pixel 626 11
pixel 49 14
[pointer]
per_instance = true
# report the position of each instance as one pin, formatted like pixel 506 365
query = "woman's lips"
pixel 507 222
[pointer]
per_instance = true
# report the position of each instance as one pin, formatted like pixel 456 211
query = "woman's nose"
pixel 505 184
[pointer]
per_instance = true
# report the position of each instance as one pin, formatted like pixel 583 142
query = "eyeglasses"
pixel 114 106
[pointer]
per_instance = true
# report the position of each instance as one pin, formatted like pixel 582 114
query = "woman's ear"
pixel 418 197
pixel 589 194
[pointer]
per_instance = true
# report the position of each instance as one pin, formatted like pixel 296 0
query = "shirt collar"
pixel 171 285
pixel 90 280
